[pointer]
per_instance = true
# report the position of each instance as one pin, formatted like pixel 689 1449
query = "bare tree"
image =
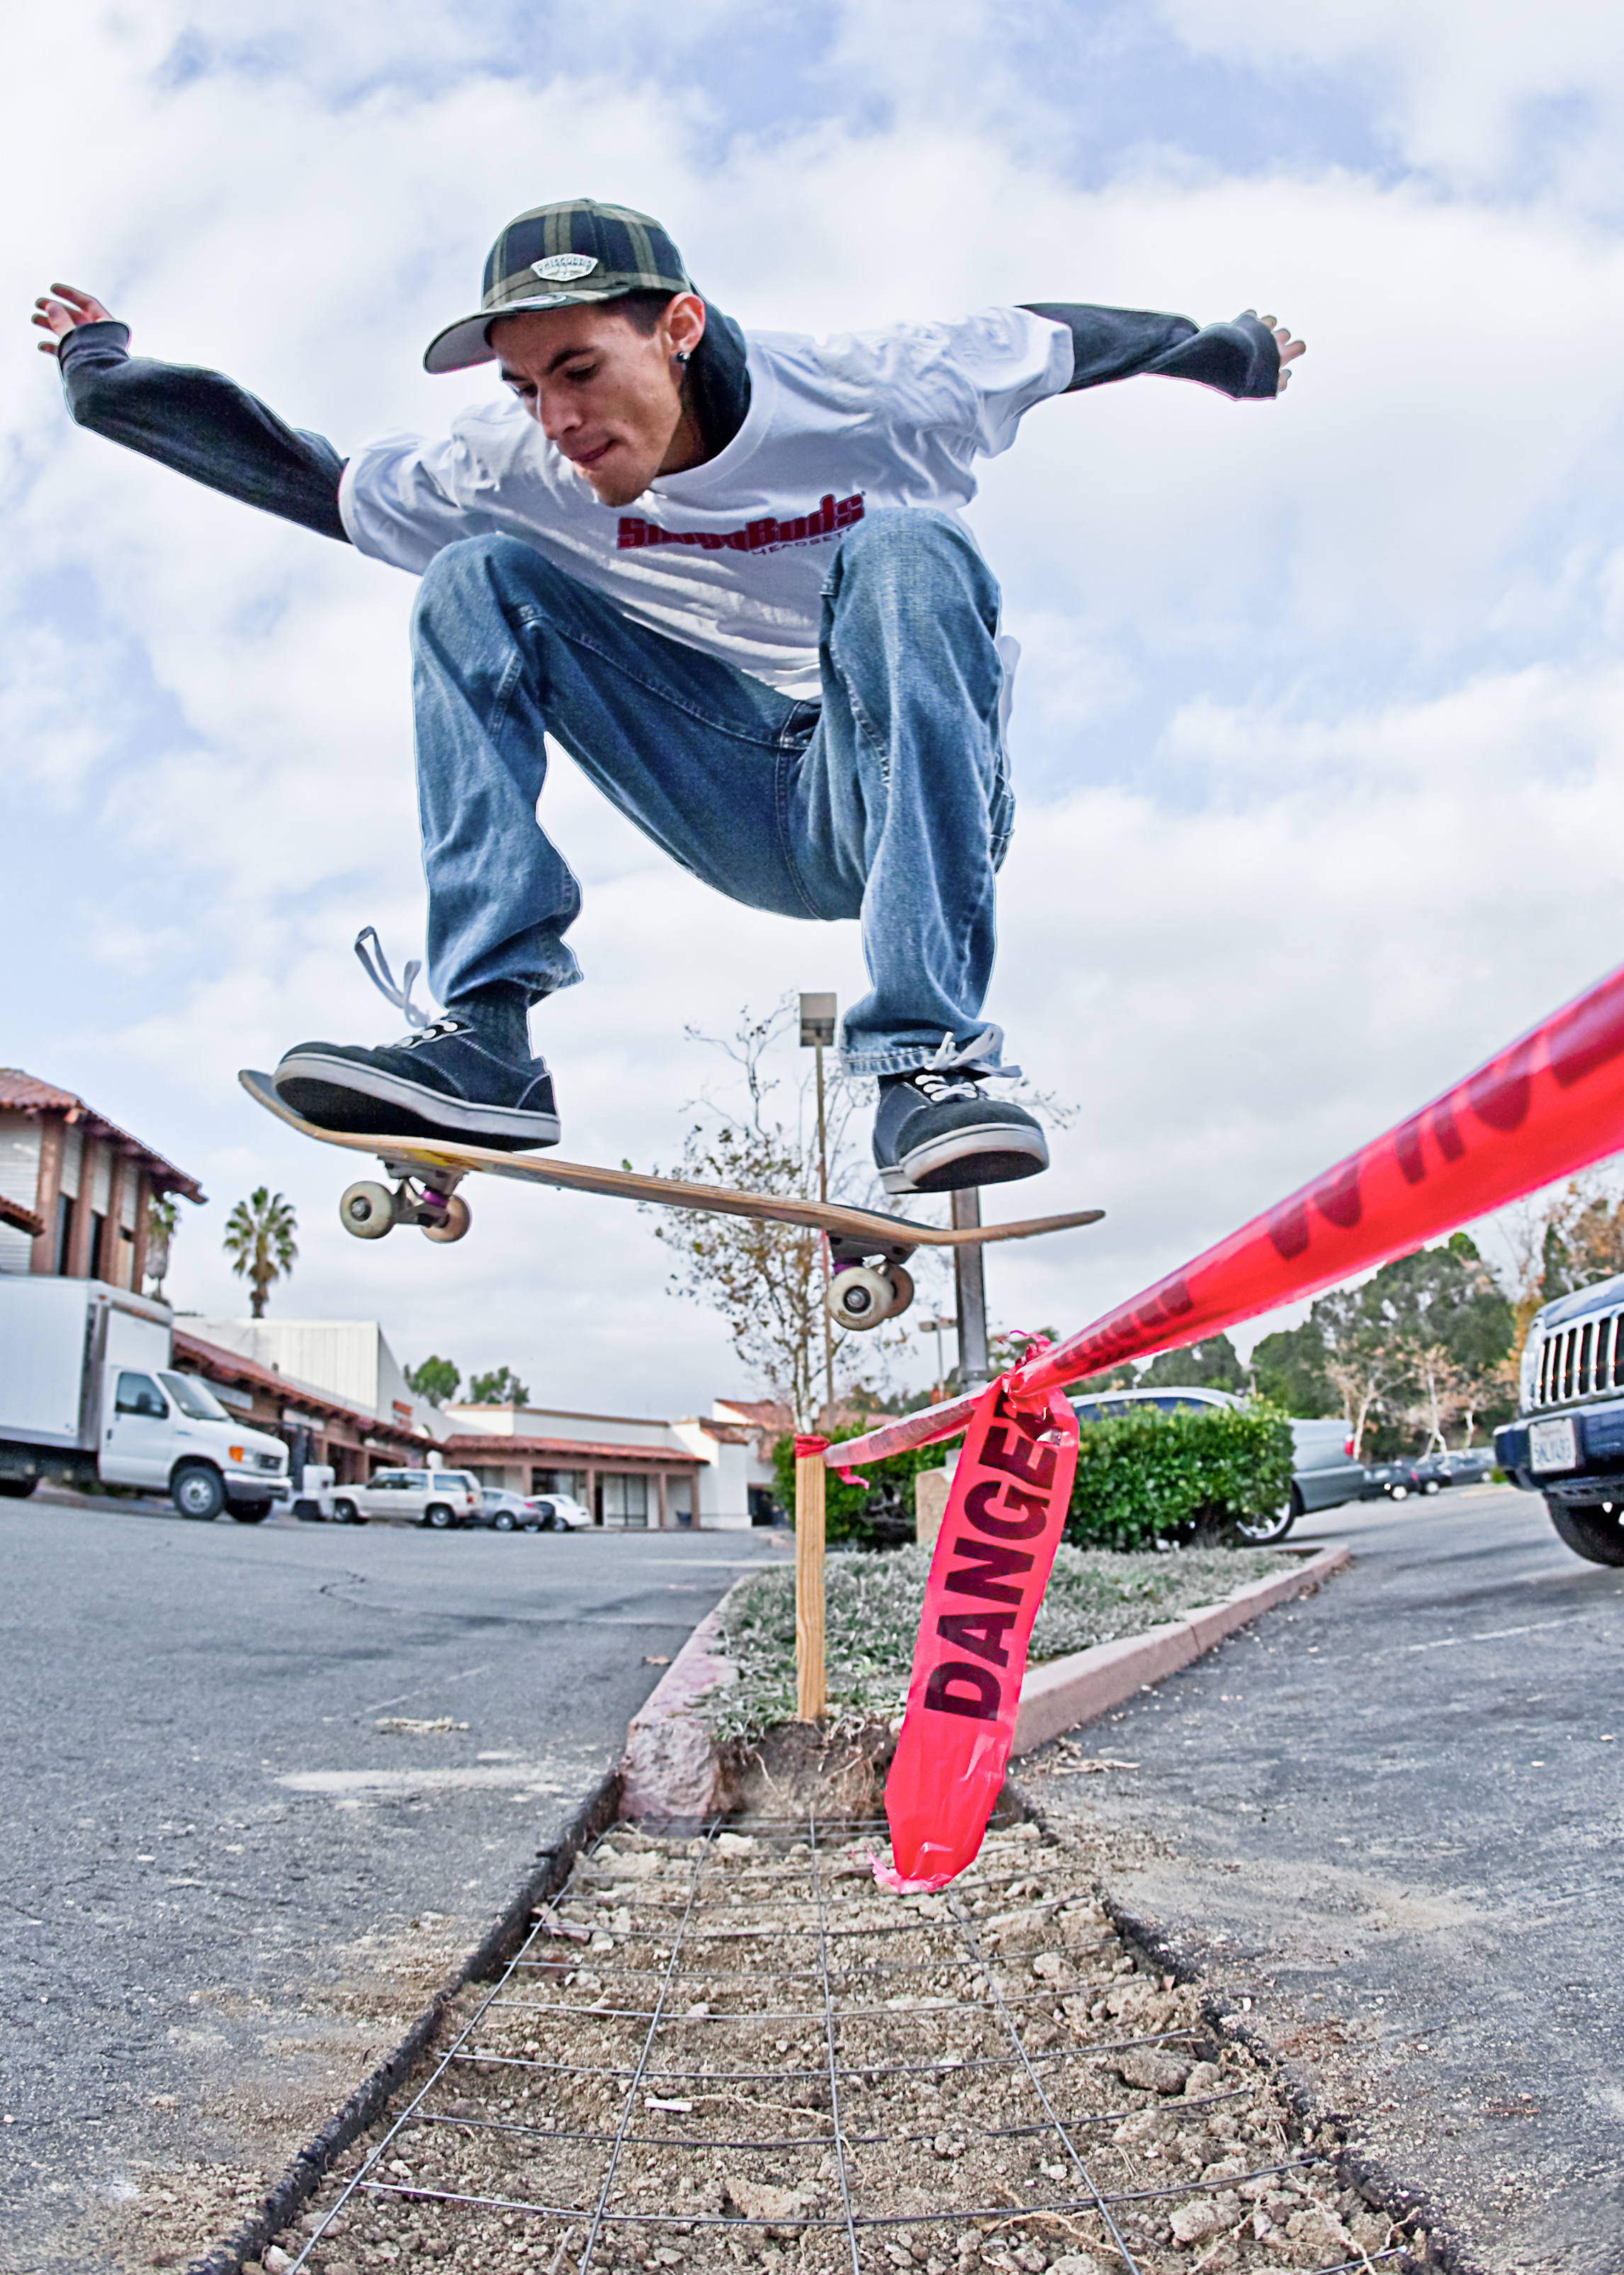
pixel 768 1281
pixel 1440 1386
pixel 1361 1377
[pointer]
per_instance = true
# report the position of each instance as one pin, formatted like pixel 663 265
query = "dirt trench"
pixel 735 2051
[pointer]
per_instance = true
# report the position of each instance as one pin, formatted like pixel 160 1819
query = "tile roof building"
pixel 75 1188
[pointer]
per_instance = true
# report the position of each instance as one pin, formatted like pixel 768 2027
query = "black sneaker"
pixel 445 1081
pixel 937 1131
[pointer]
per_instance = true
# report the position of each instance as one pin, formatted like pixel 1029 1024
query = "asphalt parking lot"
pixel 1389 1822
pixel 228 1882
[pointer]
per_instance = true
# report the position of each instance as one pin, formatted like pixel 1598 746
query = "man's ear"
pixel 683 323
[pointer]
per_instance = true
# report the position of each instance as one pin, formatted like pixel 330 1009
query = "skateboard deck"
pixel 439 1164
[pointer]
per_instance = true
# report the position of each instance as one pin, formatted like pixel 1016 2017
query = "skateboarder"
pixel 728 571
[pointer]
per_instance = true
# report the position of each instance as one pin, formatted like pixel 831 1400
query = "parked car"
pixel 439 1499
pixel 1471 1467
pixel 1324 1474
pixel 1398 1480
pixel 503 1511
pixel 1567 1441
pixel 556 1513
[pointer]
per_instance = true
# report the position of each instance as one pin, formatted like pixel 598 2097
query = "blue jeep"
pixel 1567 1441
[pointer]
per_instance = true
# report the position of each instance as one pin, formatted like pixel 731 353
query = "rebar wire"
pixel 942 2006
pixel 1007 2214
pixel 357 2179
pixel 957 1912
pixel 828 2029
pixel 630 2108
pixel 964 2133
pixel 369 2184
pixel 763 1975
pixel 867 2070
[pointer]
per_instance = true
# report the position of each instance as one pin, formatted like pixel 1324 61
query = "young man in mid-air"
pixel 727 570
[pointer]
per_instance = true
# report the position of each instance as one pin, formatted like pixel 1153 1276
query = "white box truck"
pixel 87 1391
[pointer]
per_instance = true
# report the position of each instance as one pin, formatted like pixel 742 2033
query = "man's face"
pixel 609 397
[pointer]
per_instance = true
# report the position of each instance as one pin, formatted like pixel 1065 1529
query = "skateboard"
pixel 868 1252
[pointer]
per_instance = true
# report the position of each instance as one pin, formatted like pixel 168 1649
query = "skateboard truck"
pixel 423 1197
pixel 861 1295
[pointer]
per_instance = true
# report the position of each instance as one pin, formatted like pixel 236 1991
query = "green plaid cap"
pixel 556 255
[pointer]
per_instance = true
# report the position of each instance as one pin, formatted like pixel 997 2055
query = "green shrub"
pixel 877 1513
pixel 1145 1476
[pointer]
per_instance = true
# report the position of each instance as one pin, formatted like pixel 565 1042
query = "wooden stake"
pixel 810 1475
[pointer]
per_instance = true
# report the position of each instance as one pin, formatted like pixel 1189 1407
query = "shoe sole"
pixel 995 1153
pixel 333 1094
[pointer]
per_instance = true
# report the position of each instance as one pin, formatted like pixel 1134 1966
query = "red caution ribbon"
pixel 1546 1108
pixel 1004 1518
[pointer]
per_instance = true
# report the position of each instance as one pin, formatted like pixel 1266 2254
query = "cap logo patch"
pixel 564 267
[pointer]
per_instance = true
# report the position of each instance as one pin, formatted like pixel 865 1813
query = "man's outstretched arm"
pixel 1248 358
pixel 199 422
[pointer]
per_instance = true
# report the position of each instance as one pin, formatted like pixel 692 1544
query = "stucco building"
pixel 75 1188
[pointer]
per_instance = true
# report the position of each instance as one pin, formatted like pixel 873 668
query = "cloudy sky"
pixel 1320 734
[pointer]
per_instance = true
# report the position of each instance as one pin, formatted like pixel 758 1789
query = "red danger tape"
pixel 1005 1513
pixel 1549 1105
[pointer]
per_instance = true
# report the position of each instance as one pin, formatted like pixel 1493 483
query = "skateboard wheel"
pixel 367 1210
pixel 901 1284
pixel 457 1221
pixel 859 1298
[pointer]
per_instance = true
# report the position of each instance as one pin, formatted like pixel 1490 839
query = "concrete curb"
pixel 671 1768
pixel 1063 1692
pixel 289 2196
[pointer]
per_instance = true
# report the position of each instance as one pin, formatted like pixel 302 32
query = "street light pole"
pixel 817 1028
pixel 969 1284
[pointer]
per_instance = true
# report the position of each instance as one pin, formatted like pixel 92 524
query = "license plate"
pixel 1552 1446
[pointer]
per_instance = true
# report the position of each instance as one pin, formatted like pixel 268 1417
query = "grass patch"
pixel 872 1619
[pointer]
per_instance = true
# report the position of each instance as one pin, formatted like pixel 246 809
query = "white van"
pixel 87 1391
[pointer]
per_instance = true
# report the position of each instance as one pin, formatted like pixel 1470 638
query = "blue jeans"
pixel 887 801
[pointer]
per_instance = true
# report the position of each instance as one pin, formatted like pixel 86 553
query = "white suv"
pixel 441 1499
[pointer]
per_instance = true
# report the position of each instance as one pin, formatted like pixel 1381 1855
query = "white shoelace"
pixel 957 1067
pixel 375 964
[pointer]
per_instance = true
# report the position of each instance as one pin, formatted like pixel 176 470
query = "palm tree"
pixel 259 1240
pixel 163 1221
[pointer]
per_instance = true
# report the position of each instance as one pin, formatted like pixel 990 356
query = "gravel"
pixel 948 2150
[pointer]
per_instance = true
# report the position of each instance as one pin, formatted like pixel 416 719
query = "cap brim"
pixel 463 344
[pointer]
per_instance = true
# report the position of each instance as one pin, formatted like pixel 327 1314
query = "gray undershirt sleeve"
pixel 203 425
pixel 1241 359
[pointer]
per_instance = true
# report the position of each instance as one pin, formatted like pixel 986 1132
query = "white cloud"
pixel 1316 732
pixel 1492 94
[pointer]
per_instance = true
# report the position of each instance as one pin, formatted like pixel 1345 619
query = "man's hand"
pixel 1289 349
pixel 65 312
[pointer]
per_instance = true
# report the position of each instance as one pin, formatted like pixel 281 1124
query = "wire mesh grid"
pixel 735 2048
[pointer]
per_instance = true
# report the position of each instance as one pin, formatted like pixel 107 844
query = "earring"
pixel 682 357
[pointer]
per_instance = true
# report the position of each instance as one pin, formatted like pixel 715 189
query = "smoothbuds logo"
pixel 769 536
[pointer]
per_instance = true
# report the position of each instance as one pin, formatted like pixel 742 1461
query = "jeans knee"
pixel 916 546
pixel 475 572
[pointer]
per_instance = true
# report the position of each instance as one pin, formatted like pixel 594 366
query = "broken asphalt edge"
pixel 289 2196
pixel 673 1771
pixel 1381 2189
